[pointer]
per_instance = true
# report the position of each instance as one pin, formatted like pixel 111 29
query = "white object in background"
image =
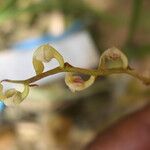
pixel 78 49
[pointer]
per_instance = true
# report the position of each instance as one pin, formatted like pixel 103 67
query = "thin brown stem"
pixel 70 68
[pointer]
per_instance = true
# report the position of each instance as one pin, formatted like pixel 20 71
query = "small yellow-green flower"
pixel 45 54
pixel 76 83
pixel 12 97
pixel 113 58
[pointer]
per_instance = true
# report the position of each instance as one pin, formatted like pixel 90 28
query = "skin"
pixel 131 133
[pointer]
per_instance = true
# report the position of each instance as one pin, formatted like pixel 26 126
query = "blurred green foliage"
pixel 79 9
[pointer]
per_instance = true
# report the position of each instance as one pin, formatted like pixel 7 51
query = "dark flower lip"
pixel 78 79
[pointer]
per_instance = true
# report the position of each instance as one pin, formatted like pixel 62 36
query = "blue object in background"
pixel 2 106
pixel 37 41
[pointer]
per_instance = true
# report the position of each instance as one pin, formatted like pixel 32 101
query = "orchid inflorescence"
pixel 112 61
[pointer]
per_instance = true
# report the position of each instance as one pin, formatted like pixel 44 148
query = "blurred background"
pixel 52 117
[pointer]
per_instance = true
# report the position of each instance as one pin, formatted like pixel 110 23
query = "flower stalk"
pixel 112 61
pixel 70 68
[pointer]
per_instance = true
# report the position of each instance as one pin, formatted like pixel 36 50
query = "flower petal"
pixel 76 83
pixel 2 96
pixel 17 98
pixel 25 91
pixel 38 66
pixel 113 58
pixel 9 93
pixel 13 100
pixel 14 97
pixel 44 54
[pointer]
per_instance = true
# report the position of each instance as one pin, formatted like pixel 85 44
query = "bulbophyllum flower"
pixel 12 96
pixel 76 83
pixel 113 58
pixel 45 54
